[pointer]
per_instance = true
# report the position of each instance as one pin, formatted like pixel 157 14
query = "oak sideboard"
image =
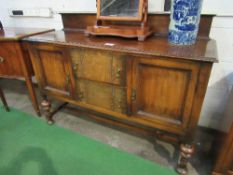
pixel 152 86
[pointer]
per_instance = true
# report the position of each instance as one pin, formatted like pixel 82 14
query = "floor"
pixel 157 151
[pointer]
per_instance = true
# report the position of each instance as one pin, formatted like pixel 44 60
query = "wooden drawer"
pixel 101 95
pixel 91 64
pixel 10 63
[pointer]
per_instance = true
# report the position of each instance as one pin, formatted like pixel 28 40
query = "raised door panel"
pixel 98 65
pixel 10 60
pixel 163 91
pixel 52 69
pixel 101 95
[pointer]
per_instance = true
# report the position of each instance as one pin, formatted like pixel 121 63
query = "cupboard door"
pixel 163 91
pixel 107 67
pixel 52 69
pixel 10 59
pixel 101 95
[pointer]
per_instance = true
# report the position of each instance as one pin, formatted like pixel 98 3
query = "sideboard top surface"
pixel 12 33
pixel 203 50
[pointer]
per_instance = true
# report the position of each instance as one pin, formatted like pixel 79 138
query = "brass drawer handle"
pixel 75 68
pixel 1 59
pixel 133 95
pixel 81 95
pixel 67 79
pixel 118 73
pixel 119 105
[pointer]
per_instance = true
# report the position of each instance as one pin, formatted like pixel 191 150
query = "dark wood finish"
pixel 158 22
pixel 203 51
pixel 2 96
pixel 54 68
pixel 224 162
pixel 151 85
pixel 14 59
pixel 109 97
pixel 103 69
pixel 9 61
pixel 151 133
pixel 14 33
pixel 72 21
pixel 158 98
pixel 121 31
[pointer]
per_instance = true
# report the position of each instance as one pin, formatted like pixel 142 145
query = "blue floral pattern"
pixel 184 24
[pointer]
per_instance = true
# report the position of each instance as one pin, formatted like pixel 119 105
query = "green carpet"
pixel 28 146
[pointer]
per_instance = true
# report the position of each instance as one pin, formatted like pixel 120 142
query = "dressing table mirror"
pixel 121 18
pixel 120 10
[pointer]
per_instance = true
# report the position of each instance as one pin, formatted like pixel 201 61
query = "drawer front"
pixel 10 63
pixel 101 95
pixel 108 67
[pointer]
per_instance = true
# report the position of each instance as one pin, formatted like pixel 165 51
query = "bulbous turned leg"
pixel 46 106
pixel 186 152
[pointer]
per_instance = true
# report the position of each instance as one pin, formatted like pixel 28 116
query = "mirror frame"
pixel 121 18
pixel 1 26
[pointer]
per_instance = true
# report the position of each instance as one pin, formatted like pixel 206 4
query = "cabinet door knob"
pixel 1 59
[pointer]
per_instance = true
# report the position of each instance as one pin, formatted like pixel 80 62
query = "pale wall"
pixel 218 103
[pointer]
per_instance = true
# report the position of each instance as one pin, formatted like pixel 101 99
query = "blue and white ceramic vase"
pixel 184 23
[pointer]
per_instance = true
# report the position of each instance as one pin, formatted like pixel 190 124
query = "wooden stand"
pixel 126 32
pixel 140 30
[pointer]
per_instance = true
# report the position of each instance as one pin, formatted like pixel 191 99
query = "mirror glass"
pixel 119 8
pixel 167 5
